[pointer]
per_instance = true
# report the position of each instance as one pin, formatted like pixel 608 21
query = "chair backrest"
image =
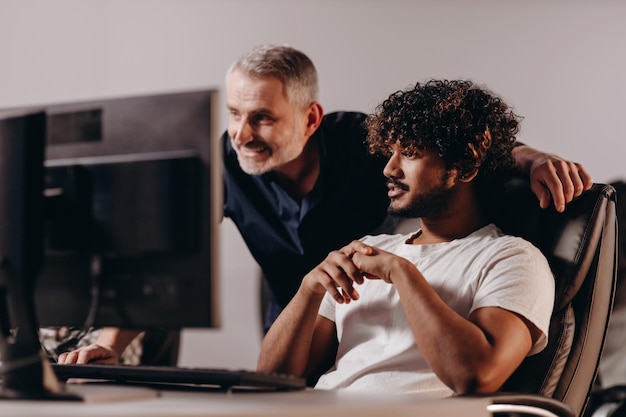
pixel 581 247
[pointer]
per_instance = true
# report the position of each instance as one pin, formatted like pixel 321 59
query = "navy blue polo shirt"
pixel 287 238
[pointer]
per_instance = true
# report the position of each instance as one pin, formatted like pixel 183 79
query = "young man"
pixel 299 183
pixel 452 308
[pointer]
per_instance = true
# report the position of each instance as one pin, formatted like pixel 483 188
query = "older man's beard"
pixel 277 157
pixel 430 203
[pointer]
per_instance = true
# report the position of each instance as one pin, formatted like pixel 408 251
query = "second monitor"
pixel 132 205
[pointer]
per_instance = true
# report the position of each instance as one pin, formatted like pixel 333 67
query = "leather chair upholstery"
pixel 581 247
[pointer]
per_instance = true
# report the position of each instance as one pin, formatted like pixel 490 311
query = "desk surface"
pixel 297 403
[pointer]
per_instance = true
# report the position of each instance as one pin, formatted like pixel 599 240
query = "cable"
pixel 95 274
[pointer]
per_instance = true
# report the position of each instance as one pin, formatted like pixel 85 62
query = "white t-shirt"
pixel 377 350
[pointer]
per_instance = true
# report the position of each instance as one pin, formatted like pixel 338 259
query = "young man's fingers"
pixel 354 247
pixel 345 264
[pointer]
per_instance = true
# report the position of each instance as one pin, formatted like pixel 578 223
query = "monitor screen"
pixel 130 204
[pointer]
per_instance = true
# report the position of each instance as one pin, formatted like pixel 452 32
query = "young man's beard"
pixel 428 204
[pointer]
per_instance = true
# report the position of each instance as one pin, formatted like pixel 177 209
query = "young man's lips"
pixel 394 191
pixel 395 188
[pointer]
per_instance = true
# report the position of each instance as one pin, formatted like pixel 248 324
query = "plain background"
pixel 560 63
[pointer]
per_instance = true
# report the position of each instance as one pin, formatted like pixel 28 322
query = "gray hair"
pixel 290 66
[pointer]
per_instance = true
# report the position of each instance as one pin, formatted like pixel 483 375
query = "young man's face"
pixel 419 185
pixel 266 130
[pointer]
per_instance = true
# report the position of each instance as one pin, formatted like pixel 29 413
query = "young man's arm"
pixel 480 352
pixel 301 342
pixel 107 349
pixel 470 355
pixel 552 177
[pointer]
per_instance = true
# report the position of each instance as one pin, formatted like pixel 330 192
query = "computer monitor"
pixel 130 195
pixel 21 222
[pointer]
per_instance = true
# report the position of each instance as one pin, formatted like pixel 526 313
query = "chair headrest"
pixel 569 240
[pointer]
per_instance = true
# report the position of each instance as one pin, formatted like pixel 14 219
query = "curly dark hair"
pixel 466 125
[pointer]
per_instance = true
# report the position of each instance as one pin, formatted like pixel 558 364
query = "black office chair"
pixel 581 247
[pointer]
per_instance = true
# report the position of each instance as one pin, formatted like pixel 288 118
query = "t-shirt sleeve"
pixel 519 279
pixel 327 307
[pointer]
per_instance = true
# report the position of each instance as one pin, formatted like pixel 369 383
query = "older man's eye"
pixel 263 118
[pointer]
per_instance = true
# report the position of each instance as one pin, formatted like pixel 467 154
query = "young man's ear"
pixel 468 176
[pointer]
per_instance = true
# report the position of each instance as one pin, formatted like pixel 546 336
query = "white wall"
pixel 561 63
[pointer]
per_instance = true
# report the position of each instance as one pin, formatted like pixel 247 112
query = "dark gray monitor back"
pixel 133 200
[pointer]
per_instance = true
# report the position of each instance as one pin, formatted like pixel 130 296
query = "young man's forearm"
pixel 287 344
pixel 473 361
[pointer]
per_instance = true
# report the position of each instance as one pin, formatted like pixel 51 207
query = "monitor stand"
pixel 25 372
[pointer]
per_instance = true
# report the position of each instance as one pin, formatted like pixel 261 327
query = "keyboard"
pixel 223 379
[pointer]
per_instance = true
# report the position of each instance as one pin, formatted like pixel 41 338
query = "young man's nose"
pixel 392 169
